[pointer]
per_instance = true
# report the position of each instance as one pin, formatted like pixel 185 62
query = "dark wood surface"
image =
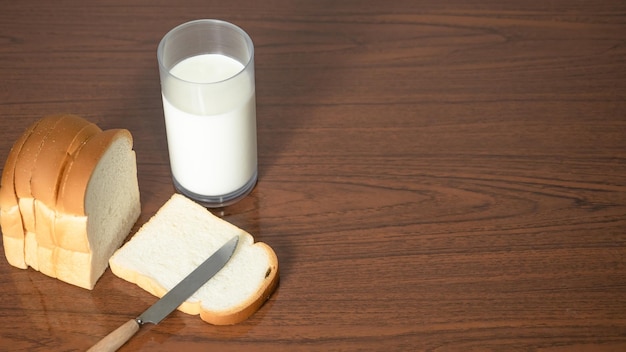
pixel 434 175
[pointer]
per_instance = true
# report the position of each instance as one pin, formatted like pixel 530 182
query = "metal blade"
pixel 189 285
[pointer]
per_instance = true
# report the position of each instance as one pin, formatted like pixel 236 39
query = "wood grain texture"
pixel 434 175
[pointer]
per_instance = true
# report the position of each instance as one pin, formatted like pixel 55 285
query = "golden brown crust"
pixel 8 198
pixel 30 152
pixel 53 156
pixel 47 171
pixel 233 316
pixel 24 166
pixel 246 309
pixel 88 131
pixel 72 191
pixel 10 217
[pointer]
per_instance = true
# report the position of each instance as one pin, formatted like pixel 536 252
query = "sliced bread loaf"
pixel 178 238
pixel 55 154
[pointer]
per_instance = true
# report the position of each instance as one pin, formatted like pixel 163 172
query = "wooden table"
pixel 434 175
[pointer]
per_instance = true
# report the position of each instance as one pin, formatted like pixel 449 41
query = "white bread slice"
pixel 178 238
pixel 66 137
pixel 10 216
pixel 56 152
pixel 13 248
pixel 24 165
pixel 97 205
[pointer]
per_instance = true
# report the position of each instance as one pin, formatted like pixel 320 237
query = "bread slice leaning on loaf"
pixel 178 238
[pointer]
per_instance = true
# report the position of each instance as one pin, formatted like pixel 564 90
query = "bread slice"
pixel 10 216
pixel 24 165
pixel 35 149
pixel 22 172
pixel 57 151
pixel 97 205
pixel 178 238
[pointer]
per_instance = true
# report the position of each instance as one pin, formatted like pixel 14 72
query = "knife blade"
pixel 171 300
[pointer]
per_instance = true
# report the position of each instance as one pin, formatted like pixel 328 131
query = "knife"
pixel 168 303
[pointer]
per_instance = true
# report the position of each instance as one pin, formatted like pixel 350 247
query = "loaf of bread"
pixel 178 238
pixel 69 196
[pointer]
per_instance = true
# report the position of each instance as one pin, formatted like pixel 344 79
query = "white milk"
pixel 212 136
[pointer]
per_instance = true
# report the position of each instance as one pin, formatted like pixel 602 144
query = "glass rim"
pixel 182 26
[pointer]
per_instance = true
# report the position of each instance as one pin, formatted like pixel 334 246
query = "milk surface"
pixel 212 137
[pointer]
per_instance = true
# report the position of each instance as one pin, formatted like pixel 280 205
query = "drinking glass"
pixel 206 69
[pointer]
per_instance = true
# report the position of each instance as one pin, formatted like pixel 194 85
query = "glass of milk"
pixel 207 85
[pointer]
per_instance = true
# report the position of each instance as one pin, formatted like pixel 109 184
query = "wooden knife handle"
pixel 116 338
